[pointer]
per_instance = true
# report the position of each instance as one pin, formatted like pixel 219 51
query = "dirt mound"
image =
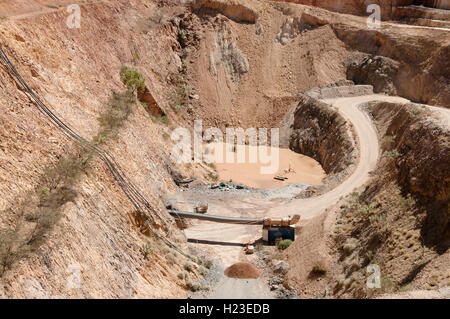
pixel 243 271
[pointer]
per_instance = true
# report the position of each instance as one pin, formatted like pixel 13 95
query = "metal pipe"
pixel 218 219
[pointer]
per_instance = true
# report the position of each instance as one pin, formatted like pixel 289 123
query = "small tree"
pixel 132 79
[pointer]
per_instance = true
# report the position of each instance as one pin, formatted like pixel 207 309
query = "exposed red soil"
pixel 242 271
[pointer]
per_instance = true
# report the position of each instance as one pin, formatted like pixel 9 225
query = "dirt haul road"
pixel 308 207
pixel 368 151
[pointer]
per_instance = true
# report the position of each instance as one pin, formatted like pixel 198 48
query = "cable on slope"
pixel 143 207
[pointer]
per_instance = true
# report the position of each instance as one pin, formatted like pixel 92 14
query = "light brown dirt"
pixel 296 167
pixel 242 271
pixel 76 71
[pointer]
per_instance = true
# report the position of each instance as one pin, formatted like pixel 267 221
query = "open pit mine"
pixel 224 149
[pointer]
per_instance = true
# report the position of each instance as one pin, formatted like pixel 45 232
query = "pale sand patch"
pixel 296 167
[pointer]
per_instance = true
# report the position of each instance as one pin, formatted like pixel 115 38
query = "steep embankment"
pixel 321 132
pixel 359 7
pixel 62 213
pixel 244 76
pixel 247 72
pixel 398 222
pixel 409 62
pixel 368 141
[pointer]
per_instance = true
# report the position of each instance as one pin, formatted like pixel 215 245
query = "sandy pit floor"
pixel 283 162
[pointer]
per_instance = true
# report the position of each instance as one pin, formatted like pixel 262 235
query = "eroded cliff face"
pixel 319 131
pixel 423 167
pixel 96 232
pixel 359 7
pixel 412 63
pixel 416 65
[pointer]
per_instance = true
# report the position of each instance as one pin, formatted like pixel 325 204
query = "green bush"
pixel 318 270
pixel 132 79
pixel 188 267
pixel 147 249
pixel 283 244
pixel 208 264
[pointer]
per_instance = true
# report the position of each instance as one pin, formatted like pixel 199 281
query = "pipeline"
pixel 284 222
pixel 143 207
pixel 218 219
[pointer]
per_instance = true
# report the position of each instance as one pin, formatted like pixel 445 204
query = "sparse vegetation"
pixel 202 271
pixel 350 245
pixel 387 285
pixel 119 107
pixel 183 275
pixel 8 255
pixel 283 244
pixel 132 79
pixel 208 264
pixel 181 97
pixel 387 142
pixel 213 176
pixel 195 286
pixel 56 185
pixel 188 267
pixel 318 270
pixel 393 154
pixel 147 249
pixel 205 262
pixel 171 259
pixel 42 208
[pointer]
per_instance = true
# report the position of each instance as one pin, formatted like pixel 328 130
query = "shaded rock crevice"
pixel 320 132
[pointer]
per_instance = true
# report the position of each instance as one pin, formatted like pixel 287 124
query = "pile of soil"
pixel 242 271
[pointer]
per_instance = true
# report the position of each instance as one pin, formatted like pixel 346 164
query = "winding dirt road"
pixel 368 157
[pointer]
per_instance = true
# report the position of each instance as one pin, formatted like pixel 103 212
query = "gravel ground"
pixel 231 190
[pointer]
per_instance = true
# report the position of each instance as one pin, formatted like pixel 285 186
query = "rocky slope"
pixel 320 132
pixel 398 221
pixel 414 60
pixel 95 229
pixel 359 7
